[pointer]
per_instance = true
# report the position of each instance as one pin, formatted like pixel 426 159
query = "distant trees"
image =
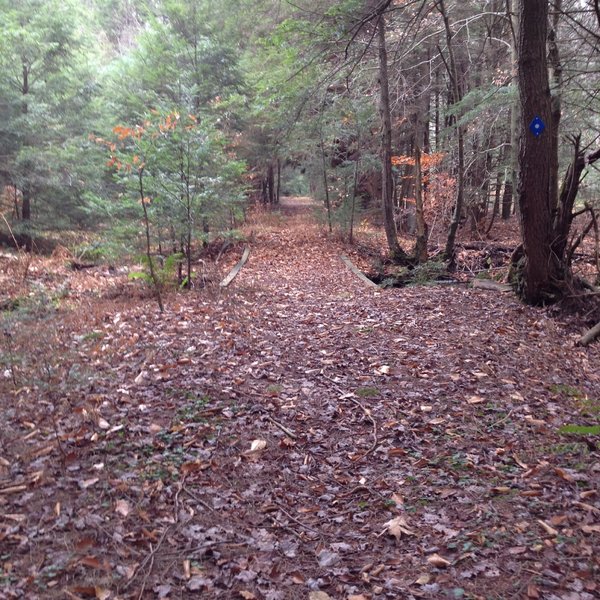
pixel 46 108
pixel 411 108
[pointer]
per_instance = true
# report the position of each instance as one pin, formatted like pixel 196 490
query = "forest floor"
pixel 296 435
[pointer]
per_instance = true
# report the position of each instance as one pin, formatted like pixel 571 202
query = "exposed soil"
pixel 295 433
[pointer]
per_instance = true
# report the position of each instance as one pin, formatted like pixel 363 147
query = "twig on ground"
pixel 149 559
pixel 198 500
pixel 283 428
pixel 292 518
pixel 374 423
pixel 346 396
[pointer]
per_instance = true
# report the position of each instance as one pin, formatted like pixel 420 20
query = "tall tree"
pixel 535 156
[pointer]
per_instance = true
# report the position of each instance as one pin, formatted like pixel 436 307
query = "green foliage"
pixel 580 430
pixel 165 272
pixel 47 107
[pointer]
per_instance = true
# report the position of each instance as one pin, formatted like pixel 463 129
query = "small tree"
pixel 184 176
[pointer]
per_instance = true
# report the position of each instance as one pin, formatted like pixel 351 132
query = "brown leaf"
pixel 122 507
pixel 563 474
pixel 102 593
pixel 94 563
pixel 590 528
pixel 438 561
pixel 247 595
pixel 86 483
pixel 83 590
pixel 397 527
pixel 475 400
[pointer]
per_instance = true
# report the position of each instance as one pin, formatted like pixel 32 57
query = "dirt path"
pixel 300 432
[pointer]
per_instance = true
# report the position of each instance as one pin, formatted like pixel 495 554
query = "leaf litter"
pixel 299 436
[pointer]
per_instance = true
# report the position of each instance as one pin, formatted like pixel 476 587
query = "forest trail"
pixel 300 432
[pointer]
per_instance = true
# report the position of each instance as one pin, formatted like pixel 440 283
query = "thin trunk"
pixel 460 174
pixel 396 253
pixel 354 190
pixel 16 202
pixel 325 183
pixel 271 184
pixel 510 201
pixel 278 190
pixel 422 229
pixel 26 188
pixel 153 274
pixel 556 81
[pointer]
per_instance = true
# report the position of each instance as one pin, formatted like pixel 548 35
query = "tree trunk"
pixel 537 275
pixel 509 201
pixel 422 229
pixel 456 95
pixel 278 189
pixel 391 234
pixel 556 72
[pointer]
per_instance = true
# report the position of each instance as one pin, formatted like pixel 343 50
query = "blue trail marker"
pixel 537 126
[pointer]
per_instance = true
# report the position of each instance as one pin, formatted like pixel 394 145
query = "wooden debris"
pixel 357 271
pixel 488 284
pixel 233 273
pixel 589 336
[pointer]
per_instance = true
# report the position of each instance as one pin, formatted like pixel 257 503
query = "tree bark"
pixel 456 95
pixel 391 234
pixel 538 272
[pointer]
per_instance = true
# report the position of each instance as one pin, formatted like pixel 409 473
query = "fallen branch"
pixel 283 428
pixel 233 273
pixel 589 336
pixel 357 271
pixel 488 284
pixel 374 424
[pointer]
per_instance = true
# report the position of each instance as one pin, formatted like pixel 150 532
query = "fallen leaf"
pixel 590 528
pixel 328 559
pixel 247 595
pixel 438 561
pixel 397 527
pixel 86 483
pixel 258 445
pixel 141 377
pixel 423 579
pixel 319 596
pixel 475 400
pixel 93 563
pixel 563 474
pixel 102 594
pixel 122 507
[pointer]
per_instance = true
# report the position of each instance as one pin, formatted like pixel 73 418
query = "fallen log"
pixel 233 273
pixel 589 336
pixel 357 271
pixel 488 284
